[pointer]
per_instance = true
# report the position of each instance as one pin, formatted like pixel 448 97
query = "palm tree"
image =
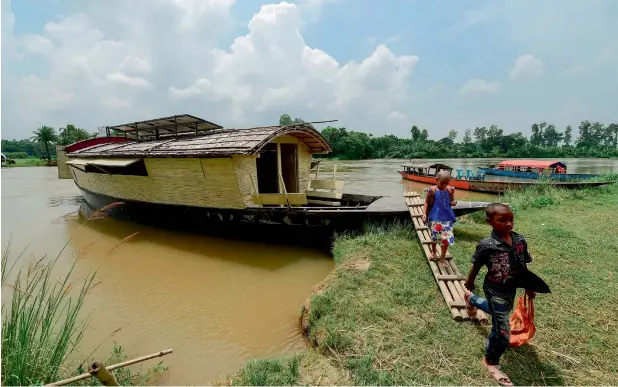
pixel 72 134
pixel 45 135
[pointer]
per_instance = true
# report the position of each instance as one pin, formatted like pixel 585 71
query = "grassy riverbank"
pixel 379 317
pixel 31 162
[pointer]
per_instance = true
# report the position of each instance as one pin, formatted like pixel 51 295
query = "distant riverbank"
pixel 379 319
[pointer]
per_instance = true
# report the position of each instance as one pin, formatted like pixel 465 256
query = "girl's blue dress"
pixel 441 218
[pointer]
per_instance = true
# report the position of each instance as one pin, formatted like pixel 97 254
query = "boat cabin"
pixel 185 160
pixel 533 166
pixel 426 169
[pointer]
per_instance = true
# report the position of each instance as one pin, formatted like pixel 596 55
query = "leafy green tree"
pixel 416 133
pixel 613 131
pixel 552 137
pixel 286 119
pixel 480 134
pixel 467 138
pixel 452 135
pixel 45 135
pixel 71 134
pixel 424 135
pixel 568 135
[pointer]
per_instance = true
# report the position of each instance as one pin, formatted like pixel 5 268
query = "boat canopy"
pixel 422 166
pixel 168 140
pixel 541 164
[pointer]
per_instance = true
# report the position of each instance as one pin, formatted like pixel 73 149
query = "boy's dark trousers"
pixel 499 305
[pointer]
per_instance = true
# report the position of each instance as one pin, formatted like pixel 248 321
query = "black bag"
pixel 528 280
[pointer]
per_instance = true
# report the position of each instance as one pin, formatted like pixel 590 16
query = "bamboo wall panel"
pixel 244 168
pixel 64 171
pixel 171 168
pixel 222 184
pixel 195 182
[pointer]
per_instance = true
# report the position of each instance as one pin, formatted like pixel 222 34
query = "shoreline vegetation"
pixel 379 318
pixel 593 140
pixel 43 325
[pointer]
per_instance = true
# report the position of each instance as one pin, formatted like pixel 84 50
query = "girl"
pixel 441 217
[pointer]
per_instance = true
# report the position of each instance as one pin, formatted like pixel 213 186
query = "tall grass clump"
pixel 40 325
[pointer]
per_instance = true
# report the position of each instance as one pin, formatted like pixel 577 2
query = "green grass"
pixel 379 318
pixel 32 162
pixel 42 325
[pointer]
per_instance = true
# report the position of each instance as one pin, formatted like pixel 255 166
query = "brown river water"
pixel 216 302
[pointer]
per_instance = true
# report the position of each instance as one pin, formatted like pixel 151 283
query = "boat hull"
pixel 153 213
pixel 532 175
pixel 496 186
pixel 295 225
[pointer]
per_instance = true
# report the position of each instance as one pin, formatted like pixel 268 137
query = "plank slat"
pixel 451 277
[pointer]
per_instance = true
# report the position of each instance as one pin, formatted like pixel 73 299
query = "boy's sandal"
pixel 470 309
pixel 497 374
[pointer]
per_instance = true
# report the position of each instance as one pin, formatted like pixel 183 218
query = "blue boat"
pixel 535 169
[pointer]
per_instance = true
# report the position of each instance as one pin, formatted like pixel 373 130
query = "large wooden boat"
pixel 535 169
pixel 183 170
pixel 426 173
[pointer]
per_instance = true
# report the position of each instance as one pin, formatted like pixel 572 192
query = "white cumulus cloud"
pixel 123 69
pixel 527 66
pixel 476 86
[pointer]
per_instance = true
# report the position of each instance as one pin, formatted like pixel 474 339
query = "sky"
pixel 376 66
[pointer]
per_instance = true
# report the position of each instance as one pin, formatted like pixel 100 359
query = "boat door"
pixel 289 166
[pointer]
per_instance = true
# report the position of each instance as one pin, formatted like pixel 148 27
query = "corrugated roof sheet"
pixel 215 143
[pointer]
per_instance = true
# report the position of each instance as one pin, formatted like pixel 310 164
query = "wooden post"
pixel 279 165
pixel 285 191
pixel 98 370
pixel 257 192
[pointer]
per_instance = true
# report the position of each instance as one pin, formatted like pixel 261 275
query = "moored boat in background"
pixel 535 169
pixel 426 173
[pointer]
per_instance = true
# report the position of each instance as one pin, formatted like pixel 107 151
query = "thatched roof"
pixel 214 143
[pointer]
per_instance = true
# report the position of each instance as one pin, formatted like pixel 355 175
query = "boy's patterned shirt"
pixel 503 261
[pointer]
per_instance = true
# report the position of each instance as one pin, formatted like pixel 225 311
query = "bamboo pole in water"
pixel 98 370
pixel 112 367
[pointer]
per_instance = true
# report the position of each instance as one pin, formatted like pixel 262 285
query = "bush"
pixel 17 155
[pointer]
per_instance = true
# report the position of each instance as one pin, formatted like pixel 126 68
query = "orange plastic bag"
pixel 522 322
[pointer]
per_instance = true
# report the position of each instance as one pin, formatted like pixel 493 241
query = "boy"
pixel 505 253
pixel 438 211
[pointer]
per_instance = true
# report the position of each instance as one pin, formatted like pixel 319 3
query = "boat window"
pixel 135 169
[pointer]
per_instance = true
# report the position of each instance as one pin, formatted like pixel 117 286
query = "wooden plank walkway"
pixel 450 280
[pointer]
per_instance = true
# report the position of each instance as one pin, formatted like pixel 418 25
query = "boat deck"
pixel 450 279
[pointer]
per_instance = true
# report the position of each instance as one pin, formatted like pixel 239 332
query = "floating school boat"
pixel 535 169
pixel 183 170
pixel 426 173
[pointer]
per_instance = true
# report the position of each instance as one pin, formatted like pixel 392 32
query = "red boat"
pixel 426 173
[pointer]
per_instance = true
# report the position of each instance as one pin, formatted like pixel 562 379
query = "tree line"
pixel 43 140
pixel 594 139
